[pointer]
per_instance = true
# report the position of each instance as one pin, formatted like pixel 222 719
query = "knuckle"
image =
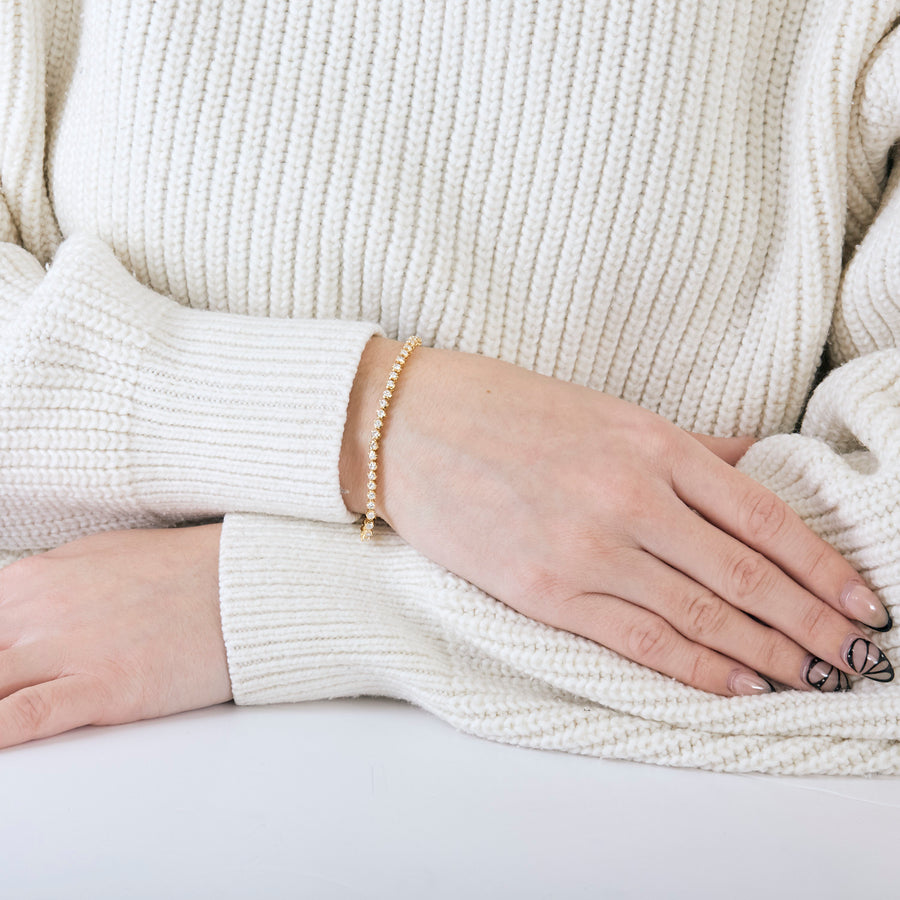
pixel 656 437
pixel 748 576
pixel 634 502
pixel 546 594
pixel 765 516
pixel 705 614
pixel 816 563
pixel 770 656
pixel 700 670
pixel 539 583
pixel 814 622
pixel 29 711
pixel 648 641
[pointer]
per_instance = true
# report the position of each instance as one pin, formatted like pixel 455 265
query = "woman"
pixel 610 227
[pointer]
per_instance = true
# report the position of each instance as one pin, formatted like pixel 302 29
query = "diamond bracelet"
pixel 365 531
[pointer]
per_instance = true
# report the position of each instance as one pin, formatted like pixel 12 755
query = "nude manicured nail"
pixel 743 682
pixel 823 676
pixel 861 604
pixel 865 658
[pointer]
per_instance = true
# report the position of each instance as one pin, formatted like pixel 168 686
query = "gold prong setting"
pixel 368 525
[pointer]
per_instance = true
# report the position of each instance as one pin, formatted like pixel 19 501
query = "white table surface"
pixel 371 798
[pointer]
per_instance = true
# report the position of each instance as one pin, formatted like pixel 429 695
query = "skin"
pixel 109 629
pixel 598 517
pixel 574 508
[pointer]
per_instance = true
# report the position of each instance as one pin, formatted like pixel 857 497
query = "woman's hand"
pixel 601 518
pixel 111 628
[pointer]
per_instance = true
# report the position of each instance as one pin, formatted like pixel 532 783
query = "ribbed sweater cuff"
pixel 233 413
pixel 310 612
pixel 121 408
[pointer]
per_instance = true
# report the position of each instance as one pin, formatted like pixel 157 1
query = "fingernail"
pixel 865 658
pixel 823 676
pixel 743 682
pixel 861 604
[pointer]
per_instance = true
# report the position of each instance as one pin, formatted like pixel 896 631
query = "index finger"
pixel 749 512
pixel 43 710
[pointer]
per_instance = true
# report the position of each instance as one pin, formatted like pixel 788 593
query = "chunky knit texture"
pixel 208 208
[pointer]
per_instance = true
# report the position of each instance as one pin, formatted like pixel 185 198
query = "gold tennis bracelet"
pixel 365 532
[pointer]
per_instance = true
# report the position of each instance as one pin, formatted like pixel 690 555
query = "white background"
pixel 372 798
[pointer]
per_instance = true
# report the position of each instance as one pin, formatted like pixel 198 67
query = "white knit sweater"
pixel 209 206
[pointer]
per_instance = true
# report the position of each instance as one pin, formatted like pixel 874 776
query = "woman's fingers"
pixel 37 700
pixel 43 710
pixel 728 449
pixel 650 640
pixel 26 665
pixel 757 518
pixel 112 628
pixel 751 582
pixel 705 618
pixel 547 484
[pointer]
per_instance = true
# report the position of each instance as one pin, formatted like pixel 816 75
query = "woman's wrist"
pixel 374 366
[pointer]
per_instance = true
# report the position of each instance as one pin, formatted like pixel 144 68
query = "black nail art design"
pixel 888 627
pixel 864 657
pixel 824 677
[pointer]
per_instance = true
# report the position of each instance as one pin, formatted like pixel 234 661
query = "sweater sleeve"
pixel 301 624
pixel 841 472
pixel 120 408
